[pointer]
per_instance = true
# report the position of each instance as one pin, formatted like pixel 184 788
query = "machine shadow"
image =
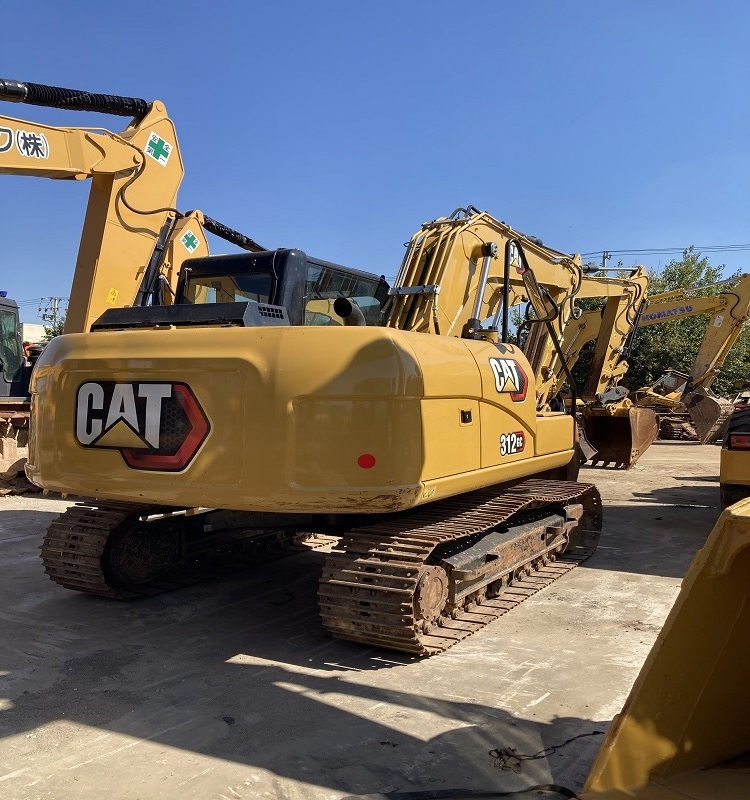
pixel 240 669
pixel 657 533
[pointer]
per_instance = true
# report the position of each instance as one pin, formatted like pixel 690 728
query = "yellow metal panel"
pixel 689 706
pixel 505 412
pixel 553 433
pixel 355 443
pixel 446 369
pixel 735 467
pixel 450 446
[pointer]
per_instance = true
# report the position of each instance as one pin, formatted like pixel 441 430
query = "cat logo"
pixel 155 426
pixel 510 377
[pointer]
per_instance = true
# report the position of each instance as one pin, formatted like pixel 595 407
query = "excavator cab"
pixel 670 386
pixel 307 288
pixel 271 287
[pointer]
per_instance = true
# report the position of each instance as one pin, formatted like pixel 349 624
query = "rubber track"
pixel 74 549
pixel 368 586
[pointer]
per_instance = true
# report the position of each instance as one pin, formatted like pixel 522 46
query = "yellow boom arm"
pixel 134 240
pixel 134 176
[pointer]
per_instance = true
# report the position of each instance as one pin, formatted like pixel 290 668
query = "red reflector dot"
pixel 366 461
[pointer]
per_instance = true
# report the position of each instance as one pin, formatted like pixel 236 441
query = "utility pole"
pixel 606 255
pixel 51 310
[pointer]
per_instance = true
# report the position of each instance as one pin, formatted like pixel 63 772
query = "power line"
pixel 718 248
pixel 37 301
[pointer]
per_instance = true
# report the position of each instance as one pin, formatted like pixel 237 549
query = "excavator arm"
pixel 462 275
pixel 614 429
pixel 729 312
pixel 452 275
pixel 134 239
pixel 135 175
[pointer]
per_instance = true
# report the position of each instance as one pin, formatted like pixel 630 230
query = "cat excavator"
pixel 235 406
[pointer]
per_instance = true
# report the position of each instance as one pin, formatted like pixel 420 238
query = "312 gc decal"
pixel 512 443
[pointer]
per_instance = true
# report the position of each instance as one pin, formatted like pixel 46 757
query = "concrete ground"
pixel 231 689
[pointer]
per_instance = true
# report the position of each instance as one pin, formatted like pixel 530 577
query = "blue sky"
pixel 339 127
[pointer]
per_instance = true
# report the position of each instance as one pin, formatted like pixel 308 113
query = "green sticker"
pixel 190 241
pixel 158 149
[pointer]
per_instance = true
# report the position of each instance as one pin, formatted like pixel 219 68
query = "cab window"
pixel 10 345
pixel 236 288
pixel 324 284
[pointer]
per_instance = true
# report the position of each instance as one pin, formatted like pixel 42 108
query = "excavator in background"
pixel 15 374
pixel 676 393
pixel 614 430
pixel 243 420
pixel 676 397
pixel 134 240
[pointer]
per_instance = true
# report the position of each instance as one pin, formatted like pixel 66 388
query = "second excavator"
pixel 680 395
pixel 683 400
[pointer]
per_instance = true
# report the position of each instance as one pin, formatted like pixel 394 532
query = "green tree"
pixel 55 328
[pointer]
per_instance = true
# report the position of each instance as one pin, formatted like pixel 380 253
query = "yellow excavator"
pixel 674 395
pixel 615 430
pixel 232 406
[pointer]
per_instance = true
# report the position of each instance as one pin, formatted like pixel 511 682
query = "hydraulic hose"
pixel 38 94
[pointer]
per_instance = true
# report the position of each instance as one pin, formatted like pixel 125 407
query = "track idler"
pixel 620 435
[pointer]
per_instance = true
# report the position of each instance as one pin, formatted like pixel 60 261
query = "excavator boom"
pixel 135 175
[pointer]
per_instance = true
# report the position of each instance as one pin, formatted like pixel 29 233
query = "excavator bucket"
pixel 709 414
pixel 620 437
pixel 684 732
